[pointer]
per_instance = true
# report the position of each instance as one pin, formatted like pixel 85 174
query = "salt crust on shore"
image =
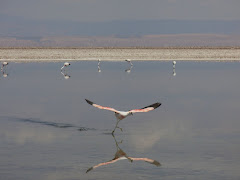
pixel 118 54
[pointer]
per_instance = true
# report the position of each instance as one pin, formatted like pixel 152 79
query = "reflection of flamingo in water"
pixel 5 74
pixel 128 70
pixel 3 69
pixel 174 72
pixel 120 115
pixel 66 76
pixel 121 155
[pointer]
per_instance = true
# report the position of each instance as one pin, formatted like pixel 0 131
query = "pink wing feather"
pixel 147 108
pixel 101 107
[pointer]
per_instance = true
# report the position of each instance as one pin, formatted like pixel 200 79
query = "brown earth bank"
pixel 119 54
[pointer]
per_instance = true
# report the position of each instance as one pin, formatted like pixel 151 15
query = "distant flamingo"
pixel 120 115
pixel 174 65
pixel 129 61
pixel 4 64
pixel 99 61
pixel 65 65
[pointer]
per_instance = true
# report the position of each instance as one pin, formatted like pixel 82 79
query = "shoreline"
pixel 54 54
pixel 129 47
pixel 114 60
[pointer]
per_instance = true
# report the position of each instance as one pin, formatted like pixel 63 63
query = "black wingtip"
pixel 155 105
pixel 156 163
pixel 89 102
pixel 91 168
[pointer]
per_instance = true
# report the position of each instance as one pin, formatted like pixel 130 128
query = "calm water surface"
pixel 48 131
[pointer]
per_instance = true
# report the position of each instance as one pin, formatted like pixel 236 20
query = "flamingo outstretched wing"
pixel 147 108
pixel 105 163
pixel 101 107
pixel 151 161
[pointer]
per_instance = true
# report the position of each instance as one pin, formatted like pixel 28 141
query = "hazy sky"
pixel 108 10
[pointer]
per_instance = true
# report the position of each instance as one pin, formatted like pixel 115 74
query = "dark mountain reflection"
pixel 121 155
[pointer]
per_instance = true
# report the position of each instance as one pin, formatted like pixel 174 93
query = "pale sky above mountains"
pixel 111 10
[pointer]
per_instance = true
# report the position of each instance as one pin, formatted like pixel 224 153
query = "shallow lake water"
pixel 48 131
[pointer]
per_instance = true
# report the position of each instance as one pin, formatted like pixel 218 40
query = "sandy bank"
pixel 118 54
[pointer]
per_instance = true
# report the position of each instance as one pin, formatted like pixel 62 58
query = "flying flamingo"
pixel 121 155
pixel 120 115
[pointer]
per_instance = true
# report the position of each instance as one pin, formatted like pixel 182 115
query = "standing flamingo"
pixel 65 65
pixel 129 61
pixel 4 64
